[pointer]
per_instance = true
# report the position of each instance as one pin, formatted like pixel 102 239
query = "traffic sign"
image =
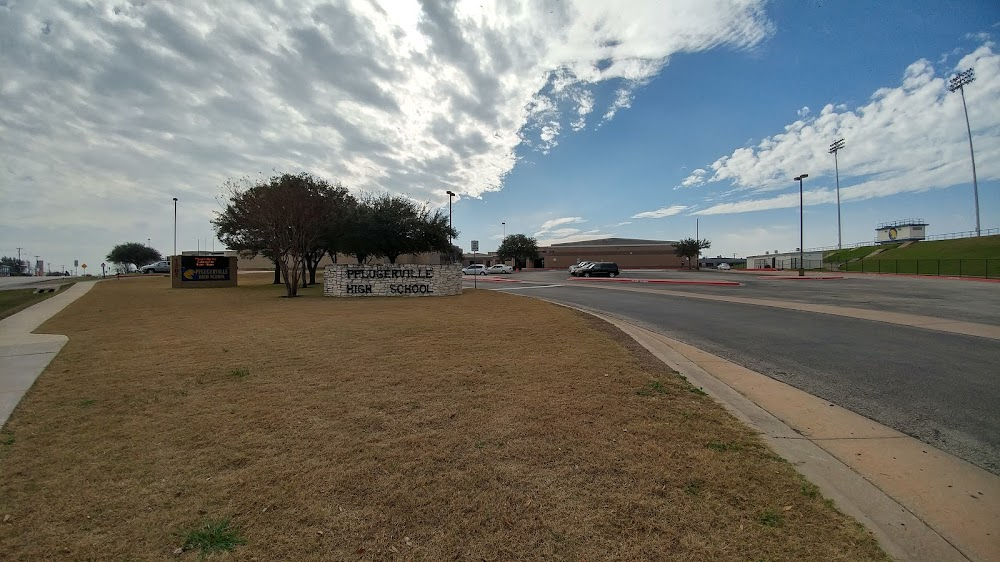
pixel 83 265
pixel 475 245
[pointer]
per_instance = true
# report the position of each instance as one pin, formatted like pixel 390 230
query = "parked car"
pixel 578 266
pixel 158 267
pixel 724 266
pixel 499 268
pixel 474 269
pixel 599 269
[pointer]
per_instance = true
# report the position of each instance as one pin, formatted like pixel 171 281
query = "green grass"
pixel 961 248
pixel 240 373
pixel 16 300
pixel 965 257
pixel 772 518
pixel 723 447
pixel 213 536
pixel 854 253
pixel 654 387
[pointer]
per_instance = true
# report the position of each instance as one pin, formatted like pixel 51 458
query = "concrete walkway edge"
pixel 24 355
pixel 904 507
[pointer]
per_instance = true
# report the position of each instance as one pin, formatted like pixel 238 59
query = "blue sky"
pixel 566 119
pixel 705 105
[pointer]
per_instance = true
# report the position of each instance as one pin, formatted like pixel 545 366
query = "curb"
pixel 902 530
pixel 797 278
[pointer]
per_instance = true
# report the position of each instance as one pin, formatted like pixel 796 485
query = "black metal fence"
pixel 986 268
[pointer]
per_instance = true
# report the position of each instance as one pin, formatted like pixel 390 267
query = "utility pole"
pixel 697 240
pixel 36 265
pixel 958 82
pixel 19 261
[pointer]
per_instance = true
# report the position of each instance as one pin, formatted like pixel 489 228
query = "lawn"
pixel 13 301
pixel 176 423
pixel 840 256
pixel 962 248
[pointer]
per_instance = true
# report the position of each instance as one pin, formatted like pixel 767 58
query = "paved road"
pixel 969 301
pixel 8 283
pixel 941 388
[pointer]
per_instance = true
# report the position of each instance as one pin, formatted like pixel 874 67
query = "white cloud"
pixel 909 138
pixel 981 37
pixel 661 213
pixel 548 137
pixel 551 224
pixel 804 112
pixel 622 224
pixel 623 100
pixel 585 105
pixel 571 235
pixel 696 178
pixel 113 107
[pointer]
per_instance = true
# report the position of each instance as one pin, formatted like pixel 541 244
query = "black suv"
pixel 598 269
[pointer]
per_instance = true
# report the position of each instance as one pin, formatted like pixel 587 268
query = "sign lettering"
pixel 204 268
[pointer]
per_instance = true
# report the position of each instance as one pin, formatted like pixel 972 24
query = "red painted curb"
pixel 665 281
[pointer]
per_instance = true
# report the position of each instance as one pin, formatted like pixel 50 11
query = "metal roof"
pixel 615 242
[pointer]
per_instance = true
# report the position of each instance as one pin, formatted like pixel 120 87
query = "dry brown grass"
pixel 384 429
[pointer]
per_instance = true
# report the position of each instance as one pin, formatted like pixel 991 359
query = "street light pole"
pixel 504 230
pixel 450 237
pixel 834 148
pixel 175 226
pixel 958 82
pixel 802 267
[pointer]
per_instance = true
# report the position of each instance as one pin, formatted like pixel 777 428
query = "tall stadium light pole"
pixel 802 266
pixel 175 226
pixel 958 82
pixel 834 148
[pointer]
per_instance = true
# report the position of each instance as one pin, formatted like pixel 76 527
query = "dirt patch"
pixel 384 429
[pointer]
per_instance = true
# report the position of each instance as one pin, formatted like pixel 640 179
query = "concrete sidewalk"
pixel 24 355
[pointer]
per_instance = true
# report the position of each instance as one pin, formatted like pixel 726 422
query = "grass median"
pixel 177 423
pixel 13 301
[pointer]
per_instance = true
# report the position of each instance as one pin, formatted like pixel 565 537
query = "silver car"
pixel 158 267
pixel 475 269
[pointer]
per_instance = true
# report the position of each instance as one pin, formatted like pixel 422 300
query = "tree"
pixel 690 248
pixel 340 206
pixel 393 225
pixel 452 255
pixel 17 267
pixel 519 248
pixel 132 253
pixel 283 215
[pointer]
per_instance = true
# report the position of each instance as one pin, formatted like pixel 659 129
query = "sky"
pixel 562 120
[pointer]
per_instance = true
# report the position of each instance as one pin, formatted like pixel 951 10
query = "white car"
pixel 475 269
pixel 500 268
pixel 723 266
